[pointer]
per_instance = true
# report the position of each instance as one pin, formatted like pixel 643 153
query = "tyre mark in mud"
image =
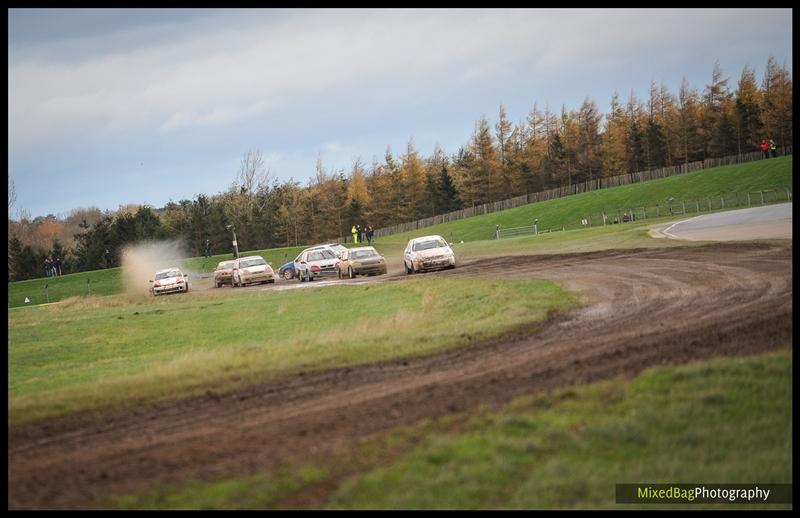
pixel 645 307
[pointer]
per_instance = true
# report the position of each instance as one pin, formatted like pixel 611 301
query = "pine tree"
pixel 748 113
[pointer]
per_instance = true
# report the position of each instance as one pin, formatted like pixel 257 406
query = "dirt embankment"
pixel 645 308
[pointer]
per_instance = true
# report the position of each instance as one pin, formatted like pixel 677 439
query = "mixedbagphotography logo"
pixel 704 493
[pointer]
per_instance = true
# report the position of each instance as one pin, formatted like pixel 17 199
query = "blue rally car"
pixel 287 271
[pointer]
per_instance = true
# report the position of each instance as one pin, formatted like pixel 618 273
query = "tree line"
pixel 547 148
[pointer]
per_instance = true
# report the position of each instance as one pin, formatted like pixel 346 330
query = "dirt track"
pixel 645 307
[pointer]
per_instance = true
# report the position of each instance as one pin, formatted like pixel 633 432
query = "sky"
pixel 109 107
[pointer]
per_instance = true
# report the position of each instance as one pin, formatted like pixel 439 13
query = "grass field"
pixel 726 420
pixel 761 175
pixel 71 356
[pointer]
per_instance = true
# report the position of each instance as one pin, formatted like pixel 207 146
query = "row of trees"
pixel 545 149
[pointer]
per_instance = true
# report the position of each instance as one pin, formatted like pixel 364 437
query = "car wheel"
pixel 187 288
pixel 287 275
pixel 350 273
pixel 409 271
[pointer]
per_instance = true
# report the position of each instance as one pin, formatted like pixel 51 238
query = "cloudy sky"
pixel 108 107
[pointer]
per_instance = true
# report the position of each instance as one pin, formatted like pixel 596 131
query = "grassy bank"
pixel 721 421
pixel 72 356
pixel 568 211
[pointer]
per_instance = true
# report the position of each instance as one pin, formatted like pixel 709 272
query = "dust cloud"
pixel 141 261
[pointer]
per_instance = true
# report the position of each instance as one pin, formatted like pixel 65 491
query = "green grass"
pixel 753 176
pixel 568 211
pixel 721 421
pixel 122 350
pixel 251 492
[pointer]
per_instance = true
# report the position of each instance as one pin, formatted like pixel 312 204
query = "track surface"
pixel 644 308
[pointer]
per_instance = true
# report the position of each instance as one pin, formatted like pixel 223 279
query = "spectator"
pixel 370 234
pixel 58 266
pixel 360 233
pixel 773 149
pixel 354 231
pixel 764 149
pixel 208 248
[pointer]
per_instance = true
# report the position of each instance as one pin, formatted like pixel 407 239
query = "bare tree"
pixel 12 194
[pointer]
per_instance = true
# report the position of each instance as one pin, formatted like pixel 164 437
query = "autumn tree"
pixel 748 100
pixel 614 140
pixel 589 153
pixel 777 113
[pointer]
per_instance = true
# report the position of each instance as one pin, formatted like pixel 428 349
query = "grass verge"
pixel 122 351
pixel 721 421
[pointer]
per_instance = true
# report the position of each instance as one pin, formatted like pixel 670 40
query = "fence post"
pixel 89 287
pixel 697 205
pixel 722 199
pixel 748 199
pixel 683 204
pixel 762 196
pixel 46 295
pixel 604 218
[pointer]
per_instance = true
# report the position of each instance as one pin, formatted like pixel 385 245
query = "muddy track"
pixel 644 308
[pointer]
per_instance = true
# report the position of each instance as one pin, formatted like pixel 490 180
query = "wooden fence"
pixel 569 190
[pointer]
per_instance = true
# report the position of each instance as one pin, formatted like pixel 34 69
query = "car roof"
pixel 251 257
pixel 361 248
pixel 318 247
pixel 226 261
pixel 426 238
pixel 168 269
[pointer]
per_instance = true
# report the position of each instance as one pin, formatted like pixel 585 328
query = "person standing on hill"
pixel 764 149
pixel 354 231
pixel 370 234
pixel 773 149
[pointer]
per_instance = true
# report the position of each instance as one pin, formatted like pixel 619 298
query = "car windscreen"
pixel 363 254
pixel 167 275
pixel 427 245
pixel 338 249
pixel 251 262
pixel 321 255
pixel 227 265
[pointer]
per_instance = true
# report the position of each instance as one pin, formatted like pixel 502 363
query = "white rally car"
pixel 169 280
pixel 428 253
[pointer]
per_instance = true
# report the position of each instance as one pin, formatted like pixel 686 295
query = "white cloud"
pixel 253 64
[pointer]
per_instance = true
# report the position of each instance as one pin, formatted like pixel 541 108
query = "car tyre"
pixel 409 271
pixel 350 273
pixel 287 275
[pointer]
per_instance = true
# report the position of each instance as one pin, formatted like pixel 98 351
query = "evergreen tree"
pixel 748 113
